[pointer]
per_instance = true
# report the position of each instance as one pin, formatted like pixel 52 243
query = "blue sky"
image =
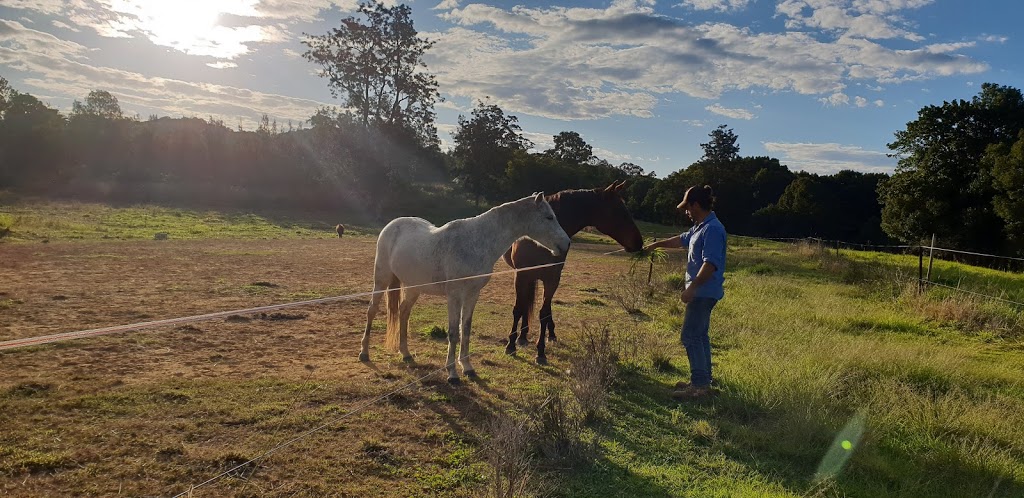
pixel 820 84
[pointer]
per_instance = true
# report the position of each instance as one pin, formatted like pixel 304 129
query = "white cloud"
pixel 732 113
pixel 61 25
pixel 872 19
pixel 836 99
pixel 860 101
pixel 879 103
pixel 57 68
pixel 447 5
pixel 584 63
pixel 14 37
pixel 830 158
pixel 718 5
pixel 221 65
pixel 994 38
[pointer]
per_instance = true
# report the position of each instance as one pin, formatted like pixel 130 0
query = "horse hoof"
pixel 471 374
pixel 523 342
pixel 542 360
pixel 552 338
pixel 454 381
pixel 510 350
pixel 364 356
pixel 407 359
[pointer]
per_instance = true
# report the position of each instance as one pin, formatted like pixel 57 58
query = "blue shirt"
pixel 706 242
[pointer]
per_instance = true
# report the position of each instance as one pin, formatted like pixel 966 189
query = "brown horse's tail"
pixel 394 298
pixel 526 297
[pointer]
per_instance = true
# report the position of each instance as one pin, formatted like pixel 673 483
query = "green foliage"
pixel 484 144
pixel 942 185
pixel 376 66
pixel 570 148
pixel 722 147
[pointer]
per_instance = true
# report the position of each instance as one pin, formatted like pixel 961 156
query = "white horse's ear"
pixel 538 197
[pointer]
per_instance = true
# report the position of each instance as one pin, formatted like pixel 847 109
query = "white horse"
pixel 411 252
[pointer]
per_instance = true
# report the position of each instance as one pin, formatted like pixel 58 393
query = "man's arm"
pixel 669 243
pixel 703 275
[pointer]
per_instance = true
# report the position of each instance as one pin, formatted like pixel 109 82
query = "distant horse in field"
pixel 576 209
pixel 411 252
pixel 340 229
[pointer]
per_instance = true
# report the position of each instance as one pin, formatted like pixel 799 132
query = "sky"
pixel 822 85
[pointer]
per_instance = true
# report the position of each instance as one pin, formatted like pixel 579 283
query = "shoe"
pixel 686 385
pixel 692 392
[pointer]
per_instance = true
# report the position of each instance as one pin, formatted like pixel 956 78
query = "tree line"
pixel 960 173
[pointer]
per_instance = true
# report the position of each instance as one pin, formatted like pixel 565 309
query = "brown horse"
pixel 576 209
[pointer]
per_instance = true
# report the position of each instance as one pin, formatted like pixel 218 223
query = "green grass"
pixel 804 342
pixel 807 345
pixel 52 221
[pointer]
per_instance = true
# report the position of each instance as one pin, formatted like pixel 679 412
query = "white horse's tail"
pixel 394 298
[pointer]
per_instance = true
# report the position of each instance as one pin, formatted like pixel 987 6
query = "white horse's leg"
pixel 381 279
pixel 409 297
pixel 455 300
pixel 467 324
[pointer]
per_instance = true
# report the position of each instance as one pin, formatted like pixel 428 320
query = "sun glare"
pixel 191 26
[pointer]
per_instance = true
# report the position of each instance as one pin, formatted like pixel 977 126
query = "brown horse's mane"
pixel 577 211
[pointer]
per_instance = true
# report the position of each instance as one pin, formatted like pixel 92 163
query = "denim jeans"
pixel 694 336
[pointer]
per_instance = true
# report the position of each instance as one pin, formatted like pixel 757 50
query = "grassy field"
pixel 836 378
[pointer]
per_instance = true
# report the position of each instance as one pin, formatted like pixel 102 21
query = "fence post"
pixel 837 247
pixel 650 269
pixel 931 252
pixel 920 269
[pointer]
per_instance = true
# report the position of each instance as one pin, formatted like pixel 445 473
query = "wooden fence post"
pixel 931 252
pixel 920 269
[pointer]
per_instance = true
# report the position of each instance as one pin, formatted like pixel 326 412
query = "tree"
pixel 722 147
pixel 941 184
pixel 99 103
pixel 484 144
pixel 376 68
pixel 571 148
pixel 31 142
pixel 633 170
pixel 1007 166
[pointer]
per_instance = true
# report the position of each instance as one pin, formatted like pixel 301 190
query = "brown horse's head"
pixel 614 220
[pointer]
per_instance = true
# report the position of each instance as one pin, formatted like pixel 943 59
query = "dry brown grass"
pixel 151 413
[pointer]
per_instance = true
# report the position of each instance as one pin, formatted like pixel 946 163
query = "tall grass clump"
pixel 509 453
pixel 593 371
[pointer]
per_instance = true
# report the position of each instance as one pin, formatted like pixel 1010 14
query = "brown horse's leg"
pixel 525 289
pixel 547 324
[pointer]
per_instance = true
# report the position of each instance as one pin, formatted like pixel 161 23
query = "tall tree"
pixel 941 185
pixel 722 146
pixel 484 144
pixel 571 148
pixel 376 67
pixel 1007 166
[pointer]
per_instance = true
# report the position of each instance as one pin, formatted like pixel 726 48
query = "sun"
pixel 191 26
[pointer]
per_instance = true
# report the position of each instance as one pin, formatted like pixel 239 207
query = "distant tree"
pixel 634 170
pixel 941 184
pixel 571 148
pixel 722 146
pixel 376 67
pixel 99 103
pixel 484 143
pixel 31 142
pixel 6 93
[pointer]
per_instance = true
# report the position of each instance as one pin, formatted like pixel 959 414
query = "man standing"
pixel 705 274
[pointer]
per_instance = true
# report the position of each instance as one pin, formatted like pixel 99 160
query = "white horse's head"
pixel 542 226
